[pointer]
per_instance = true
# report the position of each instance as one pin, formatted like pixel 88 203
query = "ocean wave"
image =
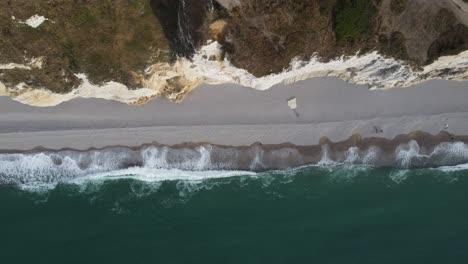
pixel 162 163
pixel 160 175
pixel 461 167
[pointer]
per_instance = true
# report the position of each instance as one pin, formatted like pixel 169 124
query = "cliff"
pixel 52 44
pixel 266 34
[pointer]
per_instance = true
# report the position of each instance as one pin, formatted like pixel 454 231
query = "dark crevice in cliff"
pixel 183 22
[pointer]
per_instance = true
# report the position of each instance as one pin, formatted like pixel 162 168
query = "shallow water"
pixel 333 214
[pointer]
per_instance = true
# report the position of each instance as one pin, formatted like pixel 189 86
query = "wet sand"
pixel 239 116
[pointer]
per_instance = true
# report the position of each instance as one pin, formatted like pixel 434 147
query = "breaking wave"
pixel 163 163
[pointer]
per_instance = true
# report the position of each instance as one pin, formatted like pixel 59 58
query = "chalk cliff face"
pixel 265 34
pixel 52 44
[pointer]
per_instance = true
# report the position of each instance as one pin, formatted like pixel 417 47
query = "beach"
pixel 232 115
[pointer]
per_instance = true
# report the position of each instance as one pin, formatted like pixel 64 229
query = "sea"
pixel 319 213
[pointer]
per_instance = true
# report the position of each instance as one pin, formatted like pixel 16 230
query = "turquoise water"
pixel 342 214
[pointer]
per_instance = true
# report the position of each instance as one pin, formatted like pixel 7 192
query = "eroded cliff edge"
pixel 58 47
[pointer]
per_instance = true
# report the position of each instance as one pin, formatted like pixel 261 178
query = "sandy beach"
pixel 238 116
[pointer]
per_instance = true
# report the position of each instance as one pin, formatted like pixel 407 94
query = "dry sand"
pixel 234 115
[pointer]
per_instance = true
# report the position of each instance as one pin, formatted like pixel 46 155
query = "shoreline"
pixel 239 116
pixel 415 150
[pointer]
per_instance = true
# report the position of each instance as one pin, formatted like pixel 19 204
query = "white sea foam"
pixel 407 154
pixel 151 164
pixel 372 155
pixel 461 167
pixel 352 156
pixel 451 154
pixel 258 154
pixel 160 175
pixel 326 160
pixel 47 169
pixel 399 176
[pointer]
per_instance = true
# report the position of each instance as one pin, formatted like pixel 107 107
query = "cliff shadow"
pixel 182 22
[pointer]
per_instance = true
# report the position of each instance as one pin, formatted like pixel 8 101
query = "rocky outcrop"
pixel 423 30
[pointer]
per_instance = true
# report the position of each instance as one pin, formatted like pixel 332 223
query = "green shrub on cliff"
pixel 353 20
